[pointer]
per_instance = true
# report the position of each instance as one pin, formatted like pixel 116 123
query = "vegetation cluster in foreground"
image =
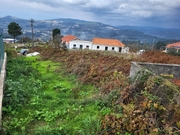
pixel 89 92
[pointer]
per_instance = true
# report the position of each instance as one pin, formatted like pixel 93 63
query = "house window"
pixel 81 47
pixel 87 46
pixel 112 48
pixel 74 46
pixel 97 47
pixel 106 48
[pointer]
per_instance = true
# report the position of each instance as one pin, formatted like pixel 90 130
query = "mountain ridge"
pixel 85 30
pixel 167 33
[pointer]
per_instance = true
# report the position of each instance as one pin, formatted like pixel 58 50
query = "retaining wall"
pixel 2 79
pixel 156 68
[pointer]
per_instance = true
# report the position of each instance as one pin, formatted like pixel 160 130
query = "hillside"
pixel 165 33
pixel 85 30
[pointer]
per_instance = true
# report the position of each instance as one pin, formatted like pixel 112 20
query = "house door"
pixel 106 48
pixel 81 47
pixel 120 49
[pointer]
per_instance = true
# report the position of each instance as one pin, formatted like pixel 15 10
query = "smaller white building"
pixel 67 39
pixel 80 44
pixel 9 40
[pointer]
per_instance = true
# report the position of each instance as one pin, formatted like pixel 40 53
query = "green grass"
pixel 55 104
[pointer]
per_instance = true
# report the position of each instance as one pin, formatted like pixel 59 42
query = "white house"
pixel 80 44
pixel 173 45
pixel 9 40
pixel 103 44
pixel 106 44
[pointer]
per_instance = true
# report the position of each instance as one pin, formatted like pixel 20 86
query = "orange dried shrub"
pixel 176 82
pixel 139 114
pixel 159 57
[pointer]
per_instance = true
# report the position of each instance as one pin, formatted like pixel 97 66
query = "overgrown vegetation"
pixel 102 100
pixel 39 99
pixel 173 51
pixel 148 106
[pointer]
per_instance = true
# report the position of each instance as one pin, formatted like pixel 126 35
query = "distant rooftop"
pixel 68 38
pixel 174 45
pixel 82 41
pixel 106 41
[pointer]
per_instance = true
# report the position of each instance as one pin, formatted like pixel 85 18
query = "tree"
pixel 14 30
pixel 57 41
pixel 57 37
pixel 160 45
pixel 56 32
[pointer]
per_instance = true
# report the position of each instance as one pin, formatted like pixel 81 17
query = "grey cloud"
pixel 145 12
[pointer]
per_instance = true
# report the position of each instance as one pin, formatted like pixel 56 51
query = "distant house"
pixel 80 44
pixel 9 40
pixel 173 45
pixel 109 45
pixel 68 38
pixel 103 44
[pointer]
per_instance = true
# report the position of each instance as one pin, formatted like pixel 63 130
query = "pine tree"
pixel 14 30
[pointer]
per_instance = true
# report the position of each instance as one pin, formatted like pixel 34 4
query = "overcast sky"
pixel 155 13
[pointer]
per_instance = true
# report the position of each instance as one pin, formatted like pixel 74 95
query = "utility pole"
pixel 51 36
pixel 153 43
pixel 32 21
pixel 144 42
pixel 22 36
pixel 50 40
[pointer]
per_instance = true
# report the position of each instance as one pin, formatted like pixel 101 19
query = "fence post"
pixel 1 51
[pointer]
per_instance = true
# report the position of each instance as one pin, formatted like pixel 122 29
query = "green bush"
pixel 20 76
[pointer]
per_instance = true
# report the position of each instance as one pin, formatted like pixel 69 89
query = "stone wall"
pixel 135 68
pixel 168 92
pixel 156 68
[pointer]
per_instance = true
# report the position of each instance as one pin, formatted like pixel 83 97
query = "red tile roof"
pixel 109 42
pixel 68 38
pixel 174 45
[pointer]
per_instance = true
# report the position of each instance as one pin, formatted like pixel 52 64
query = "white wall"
pixel 125 50
pixel 102 47
pixel 76 44
pixel 9 40
pixel 67 45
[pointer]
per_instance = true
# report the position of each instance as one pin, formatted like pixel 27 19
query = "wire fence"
pixel 1 51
